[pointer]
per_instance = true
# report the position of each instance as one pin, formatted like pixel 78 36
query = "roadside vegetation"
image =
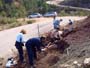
pixel 6 23
pixel 77 3
pixel 73 12
pixel 67 11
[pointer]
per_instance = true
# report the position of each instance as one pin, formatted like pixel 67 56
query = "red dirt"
pixel 82 33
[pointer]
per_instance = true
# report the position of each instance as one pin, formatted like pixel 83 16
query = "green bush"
pixel 15 24
pixel 5 20
pixel 6 23
pixel 83 13
pixel 70 12
pixel 63 13
pixel 30 21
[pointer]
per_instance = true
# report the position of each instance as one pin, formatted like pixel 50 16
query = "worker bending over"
pixel 32 46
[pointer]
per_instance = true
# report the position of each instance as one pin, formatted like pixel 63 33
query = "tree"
pixel 10 9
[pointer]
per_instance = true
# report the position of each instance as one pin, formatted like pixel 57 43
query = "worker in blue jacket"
pixel 19 45
pixel 56 23
pixel 33 45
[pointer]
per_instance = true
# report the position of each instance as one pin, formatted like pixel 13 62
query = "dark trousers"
pixel 31 54
pixel 20 50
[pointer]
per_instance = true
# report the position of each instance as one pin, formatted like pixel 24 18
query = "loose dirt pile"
pixel 79 43
pixel 80 40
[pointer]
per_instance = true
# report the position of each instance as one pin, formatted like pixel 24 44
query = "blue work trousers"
pixel 20 51
pixel 31 55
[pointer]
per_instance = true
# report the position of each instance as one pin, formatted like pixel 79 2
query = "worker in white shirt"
pixel 19 44
pixel 70 22
pixel 71 25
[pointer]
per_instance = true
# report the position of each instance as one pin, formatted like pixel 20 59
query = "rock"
pixel 66 66
pixel 1 63
pixel 75 62
pixel 87 61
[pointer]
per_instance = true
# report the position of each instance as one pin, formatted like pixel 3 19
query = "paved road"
pixel 7 37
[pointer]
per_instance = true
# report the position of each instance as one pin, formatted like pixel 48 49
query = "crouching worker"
pixel 33 45
pixel 19 45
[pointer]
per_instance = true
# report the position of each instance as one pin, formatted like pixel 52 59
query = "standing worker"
pixel 71 27
pixel 33 45
pixel 19 45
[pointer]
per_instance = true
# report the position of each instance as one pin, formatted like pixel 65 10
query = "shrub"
pixel 30 21
pixel 5 20
pixel 69 12
pixel 15 24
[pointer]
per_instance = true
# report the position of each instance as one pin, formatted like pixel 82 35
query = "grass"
pixel 73 12
pixel 6 23
pixel 30 21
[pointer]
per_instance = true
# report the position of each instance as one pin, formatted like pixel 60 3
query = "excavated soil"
pixel 80 39
pixel 79 45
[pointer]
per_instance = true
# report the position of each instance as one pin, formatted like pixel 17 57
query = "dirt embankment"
pixel 79 41
pixel 79 49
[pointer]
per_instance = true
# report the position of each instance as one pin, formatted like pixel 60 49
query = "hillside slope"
pixel 79 48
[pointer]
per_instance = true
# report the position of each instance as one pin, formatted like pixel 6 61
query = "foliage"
pixel 5 20
pixel 78 3
pixel 73 12
pixel 6 23
pixel 20 8
pixel 30 21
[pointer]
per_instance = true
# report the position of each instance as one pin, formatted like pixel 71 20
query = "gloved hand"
pixel 44 49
